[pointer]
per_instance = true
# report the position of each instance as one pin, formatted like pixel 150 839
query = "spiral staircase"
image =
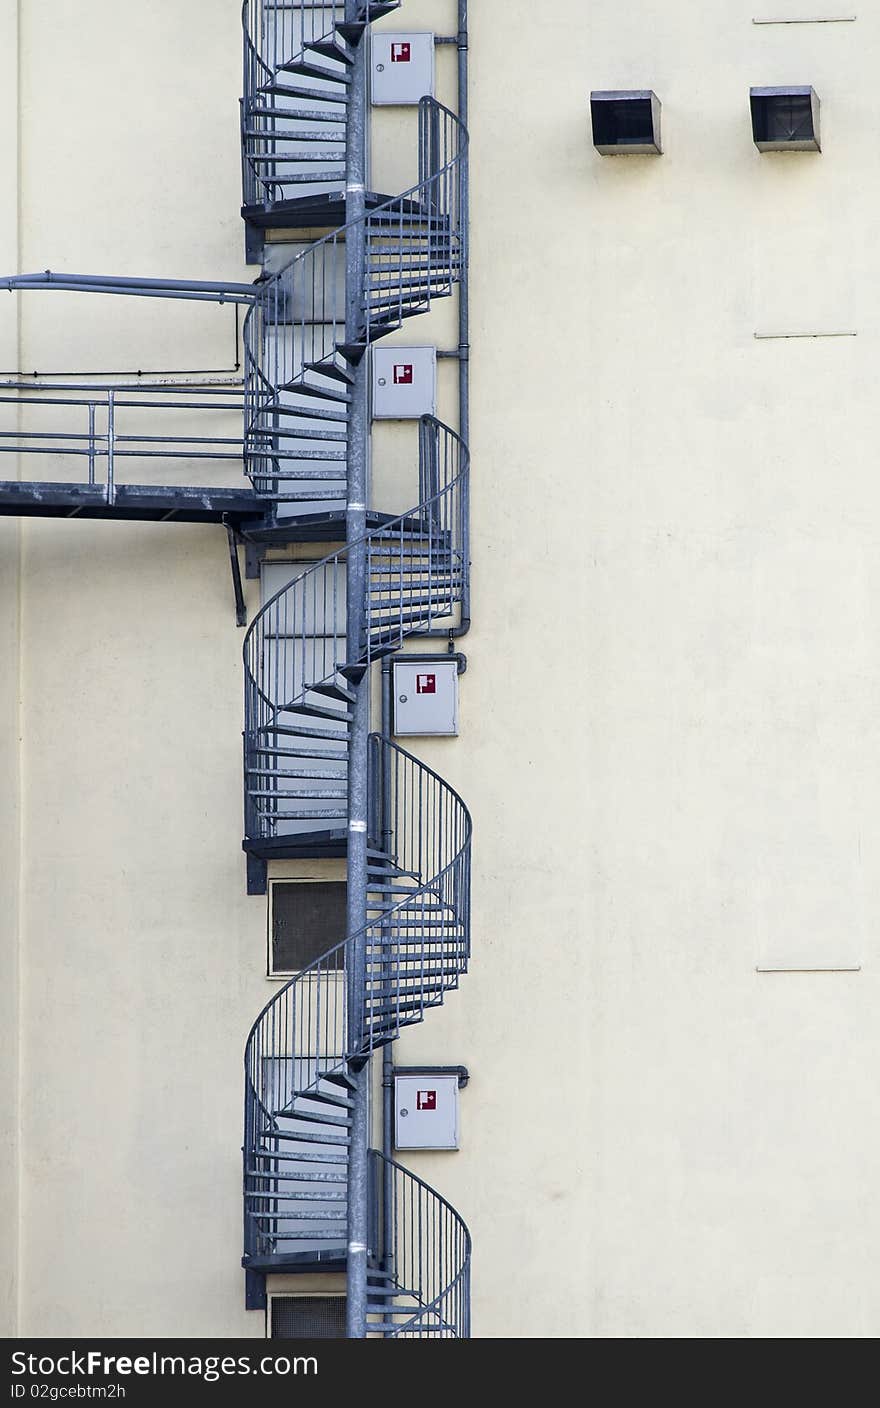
pixel 304 349
pixel 308 653
pixel 298 62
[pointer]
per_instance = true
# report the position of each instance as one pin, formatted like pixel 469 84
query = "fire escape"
pixel 318 780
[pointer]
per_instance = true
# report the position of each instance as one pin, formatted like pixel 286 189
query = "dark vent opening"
pixel 308 918
pixel 623 123
pixel 626 122
pixel 785 119
pixel 307 1318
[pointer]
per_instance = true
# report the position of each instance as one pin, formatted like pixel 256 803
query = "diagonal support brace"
pixel 238 590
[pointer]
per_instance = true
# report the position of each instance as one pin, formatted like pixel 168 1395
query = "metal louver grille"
pixel 307 1318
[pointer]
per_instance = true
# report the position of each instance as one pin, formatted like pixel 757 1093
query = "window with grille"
pixel 307 1317
pixel 306 918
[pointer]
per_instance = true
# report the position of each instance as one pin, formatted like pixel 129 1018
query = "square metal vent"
pixel 307 1317
pixel 626 123
pixel 306 918
pixel 785 119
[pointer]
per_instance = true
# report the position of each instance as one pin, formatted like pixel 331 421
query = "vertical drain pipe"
pixel 356 569
pixel 388 1048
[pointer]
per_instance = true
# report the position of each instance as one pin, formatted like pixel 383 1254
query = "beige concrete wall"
pixel 9 718
pixel 143 959
pixel 668 743
pixel 669 733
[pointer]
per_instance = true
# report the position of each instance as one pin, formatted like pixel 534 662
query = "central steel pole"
pixel 356 584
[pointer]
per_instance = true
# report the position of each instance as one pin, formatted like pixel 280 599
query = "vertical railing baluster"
pixel 111 447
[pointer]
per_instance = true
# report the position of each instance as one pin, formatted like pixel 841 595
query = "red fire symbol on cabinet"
pixel 403 374
pixel 426 1099
pixel 426 684
pixel 400 53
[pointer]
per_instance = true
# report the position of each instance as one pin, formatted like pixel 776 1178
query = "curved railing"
pixel 416 578
pixel 415 250
pixel 273 34
pixel 308 328
pixel 424 1247
pixel 410 954
pixel 282 41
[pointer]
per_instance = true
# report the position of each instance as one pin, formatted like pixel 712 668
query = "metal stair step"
pixel 284 1195
pixel 305 1137
pixel 453 942
pixel 380 599
pixel 304 496
pixel 406 618
pixel 282 470
pixel 340 1078
pixel 314 814
pixel 312 178
pixel 392 1009
pixel 309 412
pixel 385 1325
pixel 433 221
pixel 272 134
pixel 273 111
pixel 421 246
pixel 390 886
pixel 276 89
pixel 308 388
pixel 414 264
pixel 300 432
pixel 307 68
pixel 297 1216
pixel 389 868
pixel 299 1177
pixel 424 945
pixel 300 1158
pixel 407 306
pixel 338 45
pixel 319 456
pixel 313 1233
pixel 413 542
pixel 313 1116
pixel 334 690
pixel 440 585
pixel 426 907
pixel 405 296
pixel 343 1101
pixel 396 982
pixel 289 731
pixel 398 919
pixel 408 569
pixel 326 753
pixel 376 9
pixel 376 910
pixel 337 368
pixel 319 711
pixel 311 794
pixel 289 158
pixel 386 282
pixel 312 774
pixel 414 993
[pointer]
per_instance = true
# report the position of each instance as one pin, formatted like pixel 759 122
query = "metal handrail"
pixel 97 437
pixel 426 1247
pixel 297 641
pixel 273 35
pixel 305 1033
pixel 415 252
